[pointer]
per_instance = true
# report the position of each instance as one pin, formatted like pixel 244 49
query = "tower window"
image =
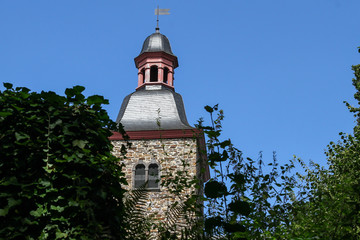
pixel 166 71
pixel 143 74
pixel 139 175
pixel 147 176
pixel 153 176
pixel 153 74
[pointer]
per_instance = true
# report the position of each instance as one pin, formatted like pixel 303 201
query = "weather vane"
pixel 160 11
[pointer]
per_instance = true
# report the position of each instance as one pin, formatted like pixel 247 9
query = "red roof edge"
pixel 158 134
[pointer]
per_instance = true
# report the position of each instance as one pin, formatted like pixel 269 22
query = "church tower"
pixel 163 144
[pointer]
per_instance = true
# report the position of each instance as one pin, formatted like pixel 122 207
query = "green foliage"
pixel 259 205
pixel 330 205
pixel 58 178
pixel 135 218
pixel 243 200
pixel 215 189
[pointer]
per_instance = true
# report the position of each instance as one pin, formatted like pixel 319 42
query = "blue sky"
pixel 280 69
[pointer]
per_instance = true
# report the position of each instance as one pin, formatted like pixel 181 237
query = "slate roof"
pixel 154 107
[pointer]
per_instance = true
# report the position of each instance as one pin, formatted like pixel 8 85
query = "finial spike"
pixel 157 29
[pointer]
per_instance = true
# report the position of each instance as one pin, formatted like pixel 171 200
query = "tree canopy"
pixel 58 178
pixel 330 207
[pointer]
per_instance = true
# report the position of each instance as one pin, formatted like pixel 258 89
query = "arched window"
pixel 139 175
pixel 153 176
pixel 166 72
pixel 153 74
pixel 143 74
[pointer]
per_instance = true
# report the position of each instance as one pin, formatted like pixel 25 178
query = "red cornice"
pixel 158 134
pixel 165 55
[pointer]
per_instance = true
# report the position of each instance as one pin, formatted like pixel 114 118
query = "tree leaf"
pixel 19 136
pixel 215 189
pixel 209 109
pixel 79 143
pixel 8 86
pixel 240 207
pixel 5 114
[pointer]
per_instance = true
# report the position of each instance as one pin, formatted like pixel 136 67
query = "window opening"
pixel 139 175
pixel 153 176
pixel 166 71
pixel 143 74
pixel 153 74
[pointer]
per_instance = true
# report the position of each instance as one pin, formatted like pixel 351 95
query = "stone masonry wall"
pixel 169 154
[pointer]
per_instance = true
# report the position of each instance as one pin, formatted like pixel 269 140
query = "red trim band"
pixel 158 134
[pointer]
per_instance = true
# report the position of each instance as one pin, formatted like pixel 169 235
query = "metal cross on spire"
pixel 160 11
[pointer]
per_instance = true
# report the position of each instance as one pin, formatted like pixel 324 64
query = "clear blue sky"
pixel 280 69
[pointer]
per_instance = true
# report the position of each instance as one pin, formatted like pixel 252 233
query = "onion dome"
pixel 156 42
